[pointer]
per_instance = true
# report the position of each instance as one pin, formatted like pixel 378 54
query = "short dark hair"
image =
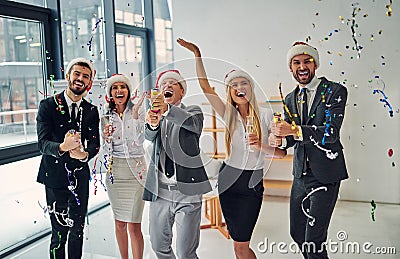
pixel 82 64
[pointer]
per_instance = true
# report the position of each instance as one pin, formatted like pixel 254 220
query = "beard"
pixel 75 90
pixel 302 80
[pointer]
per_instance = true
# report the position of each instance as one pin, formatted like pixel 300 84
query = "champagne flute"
pixel 106 124
pixel 154 94
pixel 249 129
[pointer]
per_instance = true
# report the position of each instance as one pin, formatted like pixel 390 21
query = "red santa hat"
pixel 118 78
pixel 174 74
pixel 299 48
pixel 237 73
pixel 81 60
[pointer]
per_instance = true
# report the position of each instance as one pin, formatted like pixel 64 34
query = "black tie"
pixel 304 111
pixel 166 153
pixel 73 112
pixel 169 167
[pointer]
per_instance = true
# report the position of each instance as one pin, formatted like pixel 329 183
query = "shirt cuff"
pixel 284 144
pixel 59 152
pixel 299 136
pixel 152 127
pixel 86 158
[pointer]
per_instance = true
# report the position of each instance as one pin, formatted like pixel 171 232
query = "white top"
pixel 128 136
pixel 241 157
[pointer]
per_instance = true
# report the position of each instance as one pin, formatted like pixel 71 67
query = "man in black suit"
pixel 68 137
pixel 313 118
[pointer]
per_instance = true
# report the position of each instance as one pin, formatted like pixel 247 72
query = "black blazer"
pixel 52 125
pixel 327 165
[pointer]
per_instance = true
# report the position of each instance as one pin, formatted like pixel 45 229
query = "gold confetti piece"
pixel 380 32
pixel 341 18
pixel 329 52
pixel 340 53
pixel 389 12
pixel 372 38
pixel 365 15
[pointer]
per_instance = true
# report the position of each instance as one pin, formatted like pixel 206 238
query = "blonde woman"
pixel 123 138
pixel 240 185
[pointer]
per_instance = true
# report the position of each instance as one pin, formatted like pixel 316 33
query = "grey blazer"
pixel 183 133
pixel 327 167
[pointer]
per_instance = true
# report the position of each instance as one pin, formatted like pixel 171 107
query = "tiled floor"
pixel 351 221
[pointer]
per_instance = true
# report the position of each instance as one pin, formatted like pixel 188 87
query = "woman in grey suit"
pixel 240 185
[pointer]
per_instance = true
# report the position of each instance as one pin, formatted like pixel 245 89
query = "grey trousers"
pixel 164 212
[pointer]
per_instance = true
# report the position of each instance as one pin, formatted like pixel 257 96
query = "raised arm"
pixel 215 101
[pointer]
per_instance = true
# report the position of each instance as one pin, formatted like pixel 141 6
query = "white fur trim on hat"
pixel 120 78
pixel 302 48
pixel 79 60
pixel 174 74
pixel 235 74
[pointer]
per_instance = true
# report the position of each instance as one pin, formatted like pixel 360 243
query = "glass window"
pixel 41 3
pixel 130 57
pixel 129 12
pixel 163 33
pixel 83 33
pixel 21 79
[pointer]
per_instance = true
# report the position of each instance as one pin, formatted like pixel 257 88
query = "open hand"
pixel 190 46
pixel 136 107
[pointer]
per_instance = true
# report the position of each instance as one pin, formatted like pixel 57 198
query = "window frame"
pixel 46 17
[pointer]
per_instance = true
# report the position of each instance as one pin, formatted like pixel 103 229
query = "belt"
pixel 169 187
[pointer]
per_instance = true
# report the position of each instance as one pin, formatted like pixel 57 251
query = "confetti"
pixel 389 7
pixel 353 31
pixel 373 207
pixel 311 222
pixel 59 244
pixel 384 101
pixel 390 152
pixel 73 185
pixel 329 153
pixel 287 108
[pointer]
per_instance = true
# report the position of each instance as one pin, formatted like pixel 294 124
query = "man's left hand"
pixel 283 129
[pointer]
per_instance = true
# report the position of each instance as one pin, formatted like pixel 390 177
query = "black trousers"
pixel 67 220
pixel 310 231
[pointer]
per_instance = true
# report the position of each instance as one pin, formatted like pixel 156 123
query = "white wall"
pixel 256 35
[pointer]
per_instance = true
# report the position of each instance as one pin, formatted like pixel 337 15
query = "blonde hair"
pixel 231 117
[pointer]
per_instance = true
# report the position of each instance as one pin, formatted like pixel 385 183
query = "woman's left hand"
pixel 135 109
pixel 253 141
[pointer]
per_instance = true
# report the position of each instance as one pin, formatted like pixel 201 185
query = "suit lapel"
pixel 317 98
pixel 292 105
